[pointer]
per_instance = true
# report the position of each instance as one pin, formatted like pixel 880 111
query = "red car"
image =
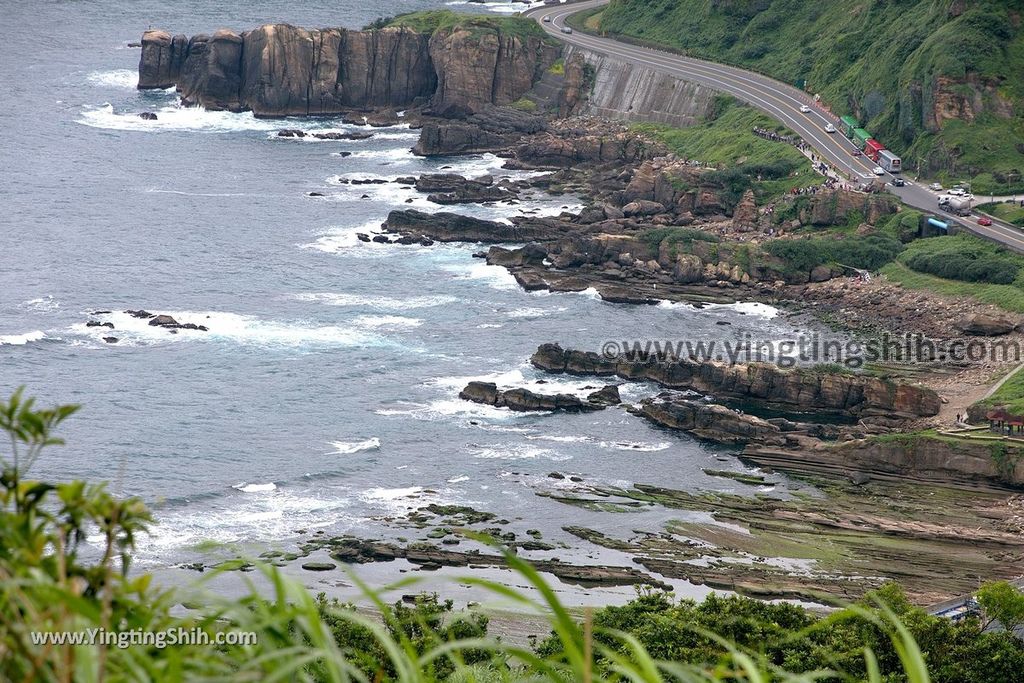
pixel 984 220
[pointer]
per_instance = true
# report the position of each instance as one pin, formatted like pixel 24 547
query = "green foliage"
pixel 524 104
pixel 869 253
pixel 1008 211
pixel 963 257
pixel 673 237
pixel 557 68
pixel 725 139
pixel 429 21
pixel 47 586
pixel 1008 297
pixel 1002 603
pixel 888 58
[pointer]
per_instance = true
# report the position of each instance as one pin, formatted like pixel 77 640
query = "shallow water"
pixel 324 394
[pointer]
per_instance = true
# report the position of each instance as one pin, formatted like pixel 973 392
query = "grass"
pixel 880 59
pixel 429 21
pixel 726 139
pixel 1008 297
pixel 1008 211
pixel 1010 394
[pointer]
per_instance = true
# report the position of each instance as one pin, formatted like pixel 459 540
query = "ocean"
pixel 324 393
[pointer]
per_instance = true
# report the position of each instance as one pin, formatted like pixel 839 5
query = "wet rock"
pixel 111 340
pixel 139 314
pixel 147 116
pixel 523 399
pixel 319 566
pixel 291 133
pixel 607 396
pixel 163 321
pixel 800 390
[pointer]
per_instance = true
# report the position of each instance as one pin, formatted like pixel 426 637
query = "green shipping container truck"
pixel 848 124
pixel 861 137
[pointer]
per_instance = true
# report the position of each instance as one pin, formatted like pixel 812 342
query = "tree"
pixel 1002 603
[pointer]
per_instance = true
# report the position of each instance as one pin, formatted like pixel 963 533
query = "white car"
pixel 805 109
pixel 958 191
pixel 566 30
pixel 878 170
pixel 936 187
pixel 829 128
pixel 546 20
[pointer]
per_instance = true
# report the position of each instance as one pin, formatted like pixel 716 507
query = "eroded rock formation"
pixel 768 385
pixel 283 70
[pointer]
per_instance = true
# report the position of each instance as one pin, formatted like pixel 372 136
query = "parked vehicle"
pixel 889 161
pixel 984 220
pixel 958 191
pixel 872 148
pixel 861 136
pixel 829 128
pixel 566 30
pixel 935 187
pixel 848 125
pixel 805 109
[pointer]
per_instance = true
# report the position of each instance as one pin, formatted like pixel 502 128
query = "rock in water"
pixel 163 321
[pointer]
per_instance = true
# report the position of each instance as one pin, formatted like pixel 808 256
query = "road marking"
pixel 763 92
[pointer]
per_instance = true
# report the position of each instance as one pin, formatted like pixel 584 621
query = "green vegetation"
pixel 429 21
pixel 1007 297
pixel 726 139
pixel 675 236
pixel 524 104
pixel 1009 395
pixel 1008 211
pixel 907 66
pixel 965 258
pixel 51 583
pixel 557 68
pixel 870 252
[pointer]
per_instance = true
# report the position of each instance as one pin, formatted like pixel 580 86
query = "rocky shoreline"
pixel 655 227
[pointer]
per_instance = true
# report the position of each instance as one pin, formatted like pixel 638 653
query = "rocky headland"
pixel 282 70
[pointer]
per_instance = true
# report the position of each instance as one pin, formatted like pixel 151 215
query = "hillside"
pixel 938 81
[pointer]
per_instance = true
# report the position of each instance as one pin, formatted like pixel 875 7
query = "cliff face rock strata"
pixel 282 70
pixel 770 386
pixel 902 458
pixel 710 421
pixel 631 92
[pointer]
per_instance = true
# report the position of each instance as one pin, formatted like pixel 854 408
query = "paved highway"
pixel 780 101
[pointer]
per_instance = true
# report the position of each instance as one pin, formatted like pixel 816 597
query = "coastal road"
pixel 780 101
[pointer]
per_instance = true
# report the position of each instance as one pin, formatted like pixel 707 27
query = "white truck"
pixel 961 206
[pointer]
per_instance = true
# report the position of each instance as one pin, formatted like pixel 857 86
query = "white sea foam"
pixel 222 326
pixel 458 480
pixel 753 308
pixel 118 78
pixel 349 447
pixel 560 439
pixel 376 302
pixel 255 488
pixel 175 118
pixel 386 321
pixel 515 452
pixel 21 339
pixel 496 277
pixel 640 446
pixel 42 304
